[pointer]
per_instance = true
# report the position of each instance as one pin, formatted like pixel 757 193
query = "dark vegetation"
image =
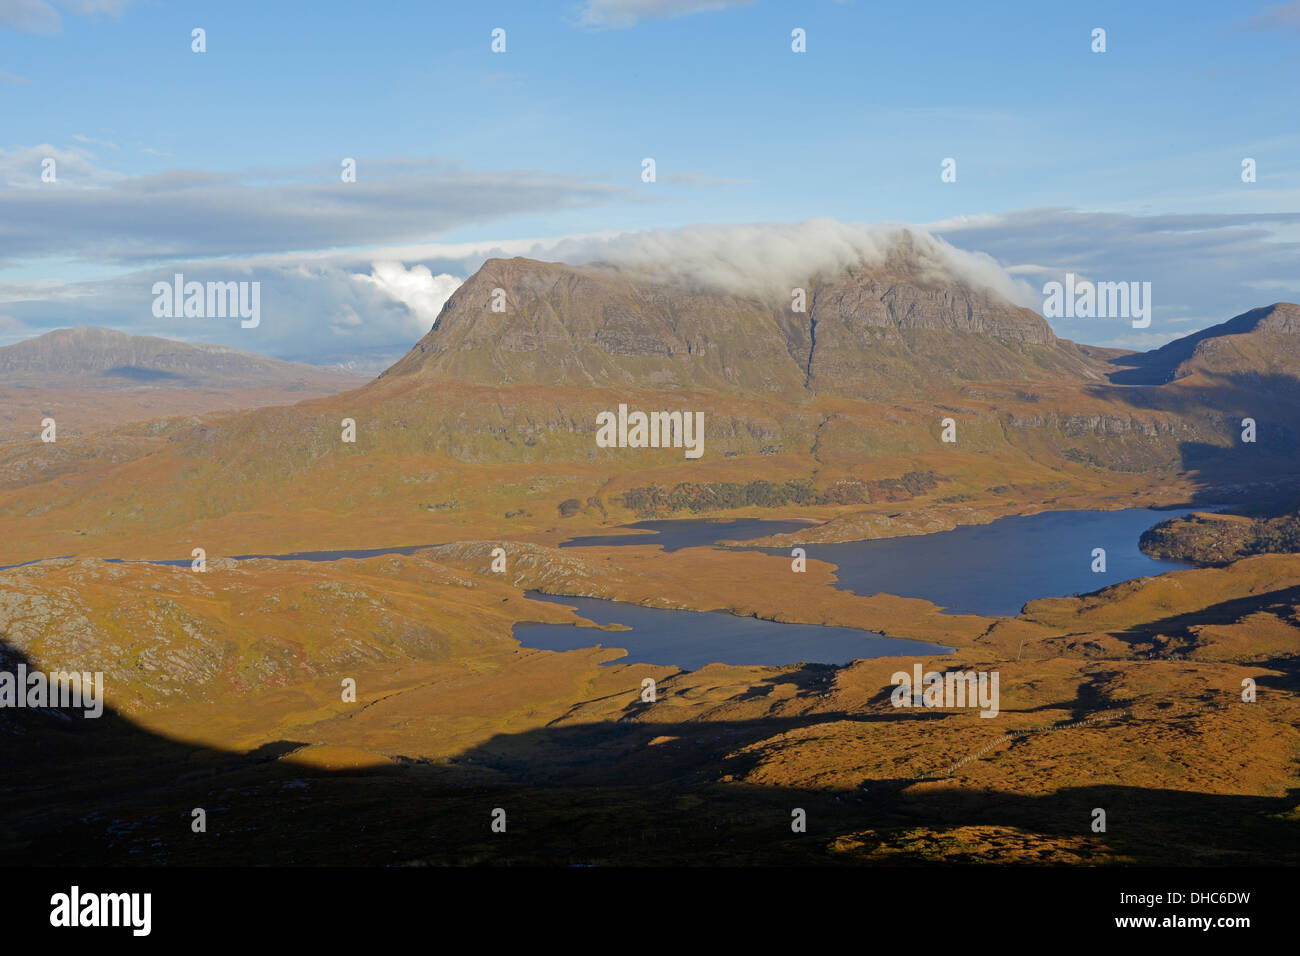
pixel 655 500
pixel 1206 539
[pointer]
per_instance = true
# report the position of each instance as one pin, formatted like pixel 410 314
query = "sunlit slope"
pixel 1130 699
pixel 488 426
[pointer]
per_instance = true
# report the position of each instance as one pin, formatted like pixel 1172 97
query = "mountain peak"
pixel 1243 345
pixel 872 326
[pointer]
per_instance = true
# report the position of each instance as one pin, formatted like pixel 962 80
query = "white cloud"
pixel 1282 16
pixel 74 168
pixel 89 141
pixel 1203 268
pixel 12 330
pixel 1145 341
pixel 772 258
pixel 40 16
pixel 619 14
pixel 417 288
pixel 29 16
pixel 702 181
pixel 113 8
pixel 99 215
pixel 374 302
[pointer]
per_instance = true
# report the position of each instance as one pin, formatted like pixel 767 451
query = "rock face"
pixel 901 294
pixel 1260 347
pixel 93 358
pixel 876 332
pixel 1205 539
pixel 1218 539
pixel 594 326
pixel 868 331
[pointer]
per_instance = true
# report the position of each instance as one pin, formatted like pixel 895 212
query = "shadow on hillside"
pixel 1279 602
pixel 1232 396
pixel 80 792
pixel 1226 468
pixel 136 373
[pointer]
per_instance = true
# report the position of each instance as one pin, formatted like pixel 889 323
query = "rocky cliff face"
pixel 868 331
pixel 596 326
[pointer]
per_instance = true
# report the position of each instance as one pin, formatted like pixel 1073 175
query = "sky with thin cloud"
pixel 225 165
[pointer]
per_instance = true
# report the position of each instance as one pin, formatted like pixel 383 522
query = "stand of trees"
pixel 654 500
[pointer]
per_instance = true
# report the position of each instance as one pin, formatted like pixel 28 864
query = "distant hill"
pixel 87 357
pixel 90 379
pixel 1255 348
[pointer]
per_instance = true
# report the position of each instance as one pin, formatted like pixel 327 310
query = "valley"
pixel 452 714
pixel 228 689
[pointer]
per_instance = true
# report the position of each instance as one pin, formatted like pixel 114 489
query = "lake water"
pixel 990 569
pixel 996 568
pixel 691 639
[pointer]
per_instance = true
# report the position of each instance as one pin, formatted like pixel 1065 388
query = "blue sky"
pixel 1120 165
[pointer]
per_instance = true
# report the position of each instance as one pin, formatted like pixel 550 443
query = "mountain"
pixel 91 379
pixel 1262 346
pixel 487 427
pixel 873 330
pixel 228 681
pixel 87 357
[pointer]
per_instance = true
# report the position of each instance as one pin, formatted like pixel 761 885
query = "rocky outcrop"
pixel 1217 539
pixel 869 330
